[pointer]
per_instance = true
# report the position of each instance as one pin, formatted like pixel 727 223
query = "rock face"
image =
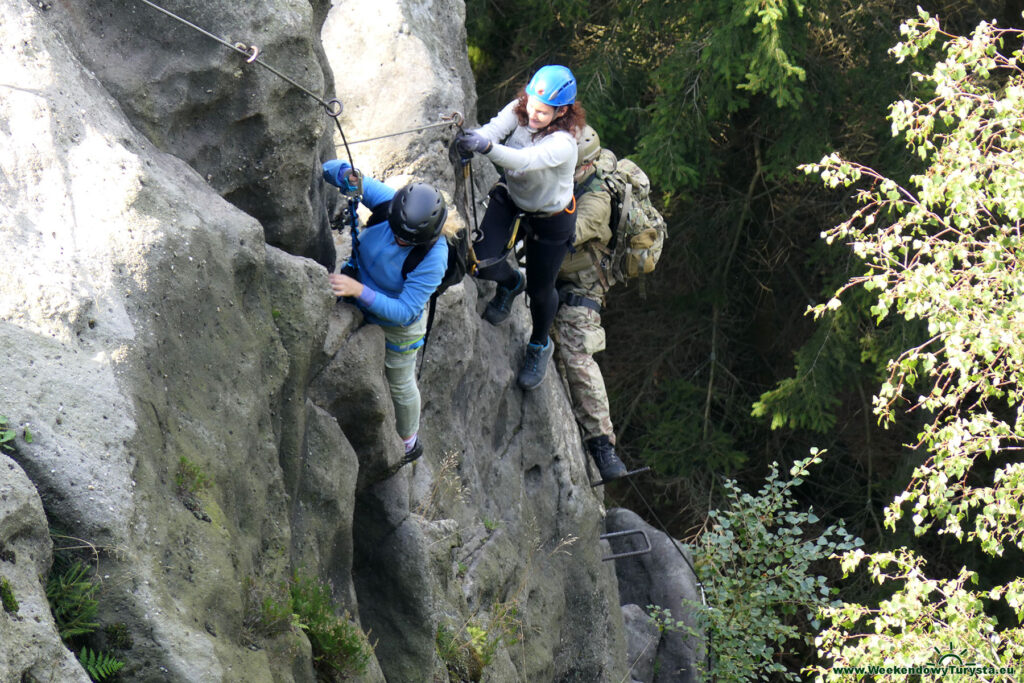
pixel 204 413
pixel 662 578
pixel 252 136
pixel 25 556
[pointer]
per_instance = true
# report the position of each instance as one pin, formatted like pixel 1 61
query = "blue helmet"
pixel 554 85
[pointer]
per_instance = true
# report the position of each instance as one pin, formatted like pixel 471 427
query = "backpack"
pixel 458 262
pixel 459 259
pixel 638 229
pixel 454 272
pixel 458 255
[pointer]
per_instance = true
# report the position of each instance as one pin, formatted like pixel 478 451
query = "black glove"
pixel 472 141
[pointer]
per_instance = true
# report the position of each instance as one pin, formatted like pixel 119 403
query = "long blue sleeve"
pixel 396 300
pixel 375 192
pixel 419 285
pixel 388 298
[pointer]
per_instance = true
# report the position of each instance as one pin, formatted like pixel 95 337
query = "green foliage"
pixel 470 648
pixel 458 656
pixel 190 479
pixel 6 435
pixel 99 665
pixel 945 248
pixel 756 565
pixel 118 636
pixel 674 423
pixel 7 599
pixel 922 617
pixel 844 352
pixel 71 591
pixel 71 594
pixel 340 649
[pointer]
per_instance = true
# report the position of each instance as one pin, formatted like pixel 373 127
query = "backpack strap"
pixel 586 186
pixel 378 214
pixel 568 298
pixel 415 257
pixel 619 212
pixel 412 260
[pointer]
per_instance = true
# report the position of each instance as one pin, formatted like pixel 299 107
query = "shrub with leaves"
pixel 71 594
pixel 7 599
pixel 755 563
pixel 469 649
pixel 6 435
pixel 340 648
pixel 99 665
pixel 946 249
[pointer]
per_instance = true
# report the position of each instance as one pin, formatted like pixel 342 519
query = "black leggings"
pixel 547 239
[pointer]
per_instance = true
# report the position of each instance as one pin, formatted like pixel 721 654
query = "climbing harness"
pixel 513 238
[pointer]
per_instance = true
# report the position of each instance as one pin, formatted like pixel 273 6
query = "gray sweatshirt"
pixel 538 171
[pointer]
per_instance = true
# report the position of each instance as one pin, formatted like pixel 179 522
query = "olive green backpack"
pixel 638 229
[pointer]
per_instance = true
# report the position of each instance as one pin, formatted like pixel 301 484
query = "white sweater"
pixel 538 172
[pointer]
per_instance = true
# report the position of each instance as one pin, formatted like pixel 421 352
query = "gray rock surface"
pixel 254 137
pixel 642 638
pixel 662 578
pixel 31 645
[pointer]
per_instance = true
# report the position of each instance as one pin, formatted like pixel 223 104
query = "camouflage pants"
pixel 578 336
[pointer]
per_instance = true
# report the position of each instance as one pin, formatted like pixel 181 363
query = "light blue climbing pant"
pixel 402 345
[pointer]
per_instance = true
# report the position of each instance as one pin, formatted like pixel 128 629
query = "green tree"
pixel 945 248
pixel 756 561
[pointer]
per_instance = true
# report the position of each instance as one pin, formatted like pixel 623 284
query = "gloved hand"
pixel 472 141
pixel 338 173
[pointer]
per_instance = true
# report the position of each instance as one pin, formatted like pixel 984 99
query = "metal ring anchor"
pixel 251 50
pixel 330 107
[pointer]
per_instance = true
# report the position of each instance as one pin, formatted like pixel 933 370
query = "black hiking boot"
pixel 603 453
pixel 535 365
pixel 414 453
pixel 499 307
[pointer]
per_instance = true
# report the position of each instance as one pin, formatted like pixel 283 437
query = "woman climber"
pixel 396 264
pixel 533 139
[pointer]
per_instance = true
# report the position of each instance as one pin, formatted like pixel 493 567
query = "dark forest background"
pixel 719 371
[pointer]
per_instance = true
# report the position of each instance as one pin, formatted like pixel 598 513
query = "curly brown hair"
pixel 572 121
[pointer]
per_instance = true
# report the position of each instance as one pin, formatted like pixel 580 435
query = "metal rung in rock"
pixel 624 476
pixel 632 553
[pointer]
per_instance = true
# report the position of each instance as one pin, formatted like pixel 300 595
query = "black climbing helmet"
pixel 417 213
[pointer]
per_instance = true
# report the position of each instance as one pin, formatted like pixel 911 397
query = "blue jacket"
pixel 388 298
